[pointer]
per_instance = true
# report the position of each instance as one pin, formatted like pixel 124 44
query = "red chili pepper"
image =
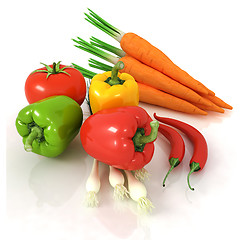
pixel 200 153
pixel 177 145
pixel 121 137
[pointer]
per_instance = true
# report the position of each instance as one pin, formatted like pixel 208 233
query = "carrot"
pixel 216 100
pixel 153 96
pixel 148 94
pixel 213 108
pixel 145 52
pixel 145 74
pixel 149 76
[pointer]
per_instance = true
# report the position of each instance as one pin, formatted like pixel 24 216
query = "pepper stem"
pixel 114 76
pixel 193 168
pixel 36 132
pixel 140 139
pixel 173 162
pixel 153 134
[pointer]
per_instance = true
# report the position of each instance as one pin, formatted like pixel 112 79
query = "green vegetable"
pixel 49 125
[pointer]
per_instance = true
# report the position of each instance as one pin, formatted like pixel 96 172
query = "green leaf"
pixel 49 69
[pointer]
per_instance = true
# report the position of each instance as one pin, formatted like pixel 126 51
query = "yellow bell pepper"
pixel 113 89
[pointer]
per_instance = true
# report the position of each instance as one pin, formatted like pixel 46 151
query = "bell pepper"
pixel 49 125
pixel 120 137
pixel 113 89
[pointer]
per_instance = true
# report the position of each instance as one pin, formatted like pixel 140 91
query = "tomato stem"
pixel 54 70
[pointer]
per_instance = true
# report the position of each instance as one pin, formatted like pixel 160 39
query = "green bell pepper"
pixel 49 125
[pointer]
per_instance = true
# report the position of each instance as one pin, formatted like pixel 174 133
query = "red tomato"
pixel 53 80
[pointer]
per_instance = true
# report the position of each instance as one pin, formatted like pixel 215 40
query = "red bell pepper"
pixel 120 137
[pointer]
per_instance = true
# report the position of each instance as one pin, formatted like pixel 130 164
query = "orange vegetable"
pixel 142 50
pixel 213 108
pixel 149 76
pixel 149 94
pixel 145 74
pixel 153 96
pixel 216 100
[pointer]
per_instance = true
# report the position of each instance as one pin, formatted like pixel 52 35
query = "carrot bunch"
pixel 160 81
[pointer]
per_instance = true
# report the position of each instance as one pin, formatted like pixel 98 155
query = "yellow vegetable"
pixel 113 89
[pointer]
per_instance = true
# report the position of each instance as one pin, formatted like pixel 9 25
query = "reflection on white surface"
pixel 47 195
pixel 54 182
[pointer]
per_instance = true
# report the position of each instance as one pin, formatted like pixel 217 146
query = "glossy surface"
pixel 60 118
pixel 38 86
pixel 107 136
pixel 104 96
pixel 45 196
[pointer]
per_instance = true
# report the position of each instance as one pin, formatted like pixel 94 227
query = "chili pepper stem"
pixel 114 76
pixel 193 168
pixel 36 132
pixel 173 162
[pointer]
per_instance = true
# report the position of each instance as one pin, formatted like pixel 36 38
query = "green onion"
pixel 101 44
pixel 138 193
pixel 99 65
pixel 93 186
pixel 87 47
pixel 116 180
pixel 103 25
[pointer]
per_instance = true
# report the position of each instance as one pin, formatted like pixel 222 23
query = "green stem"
pixel 153 134
pixel 103 25
pixel 140 139
pixel 173 162
pixel 101 44
pixel 36 132
pixel 99 65
pixel 193 168
pixel 85 72
pixel 87 47
pixel 54 68
pixel 114 76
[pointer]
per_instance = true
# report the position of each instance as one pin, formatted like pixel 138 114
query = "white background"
pixel 43 198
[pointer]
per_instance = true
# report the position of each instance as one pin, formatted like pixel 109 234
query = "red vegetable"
pixel 53 80
pixel 120 137
pixel 200 153
pixel 177 145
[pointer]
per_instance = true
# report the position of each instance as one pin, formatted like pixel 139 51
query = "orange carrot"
pixel 142 50
pixel 213 108
pixel 149 76
pixel 145 74
pixel 149 94
pixel 216 100
pixel 145 52
pixel 153 96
